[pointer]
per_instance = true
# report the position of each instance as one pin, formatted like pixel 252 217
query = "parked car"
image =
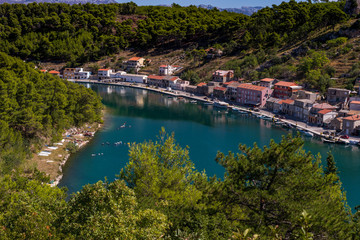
pixel 344 136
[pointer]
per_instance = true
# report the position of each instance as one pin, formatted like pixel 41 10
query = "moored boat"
pixel 220 104
pixel 353 142
pixel 265 118
pixel 328 140
pixel 308 134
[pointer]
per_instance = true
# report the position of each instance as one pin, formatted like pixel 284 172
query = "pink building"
pixel 252 94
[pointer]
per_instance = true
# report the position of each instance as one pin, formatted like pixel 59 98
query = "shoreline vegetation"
pixel 52 158
pixel 35 109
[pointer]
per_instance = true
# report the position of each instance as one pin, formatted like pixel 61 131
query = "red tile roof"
pixel 135 59
pixel 156 77
pixel 325 111
pixel 355 102
pixel 353 112
pixel 43 70
pixel 353 118
pixel 104 69
pixel 201 84
pixel 287 101
pixel 267 79
pixel 285 84
pixel 220 88
pixel 172 79
pixel 227 83
pixel 251 87
pixel 54 72
pixel 324 106
pixel 163 66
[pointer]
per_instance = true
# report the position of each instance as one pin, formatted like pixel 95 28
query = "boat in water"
pixel 325 140
pixel 353 142
pixel 267 118
pixel 220 104
pixel 306 133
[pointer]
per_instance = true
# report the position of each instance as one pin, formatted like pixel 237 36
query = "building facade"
pixel 223 76
pixel 285 90
pixel 252 95
pixel 350 124
pixel 267 82
pixel 337 95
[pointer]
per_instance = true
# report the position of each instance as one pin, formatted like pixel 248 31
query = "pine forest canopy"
pixel 37 106
pixel 80 33
pixel 278 192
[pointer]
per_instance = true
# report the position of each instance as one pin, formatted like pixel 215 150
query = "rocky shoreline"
pixel 51 159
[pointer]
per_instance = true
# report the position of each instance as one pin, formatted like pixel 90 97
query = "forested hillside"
pixel 276 192
pixel 79 33
pixel 86 32
pixel 36 107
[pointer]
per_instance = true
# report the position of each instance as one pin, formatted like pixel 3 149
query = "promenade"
pixel 318 131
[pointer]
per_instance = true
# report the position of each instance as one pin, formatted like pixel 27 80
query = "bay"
pixel 204 129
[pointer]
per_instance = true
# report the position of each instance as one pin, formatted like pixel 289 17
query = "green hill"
pixel 37 107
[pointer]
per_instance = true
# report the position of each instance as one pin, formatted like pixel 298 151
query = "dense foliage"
pixel 79 33
pixel 37 106
pixel 86 32
pixel 278 192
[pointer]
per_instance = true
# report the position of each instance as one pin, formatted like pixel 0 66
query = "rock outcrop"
pixel 352 7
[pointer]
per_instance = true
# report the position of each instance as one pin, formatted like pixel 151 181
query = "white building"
pixel 134 78
pixel 117 74
pixel 104 73
pixel 178 84
pixel 82 75
pixel 168 69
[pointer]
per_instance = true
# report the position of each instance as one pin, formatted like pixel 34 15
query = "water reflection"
pixel 203 128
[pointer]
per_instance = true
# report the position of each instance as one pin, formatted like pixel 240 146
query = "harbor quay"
pixel 294 123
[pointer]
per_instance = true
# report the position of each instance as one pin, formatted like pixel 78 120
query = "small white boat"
pixel 193 101
pixel 353 142
pixel 220 104
pixel 265 118
pixel 328 140
pixel 308 134
pixel 243 112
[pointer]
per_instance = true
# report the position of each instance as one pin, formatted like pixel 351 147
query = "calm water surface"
pixel 204 129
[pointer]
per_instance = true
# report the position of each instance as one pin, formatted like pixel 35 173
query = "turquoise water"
pixel 204 129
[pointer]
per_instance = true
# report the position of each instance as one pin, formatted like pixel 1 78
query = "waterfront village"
pixel 338 112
